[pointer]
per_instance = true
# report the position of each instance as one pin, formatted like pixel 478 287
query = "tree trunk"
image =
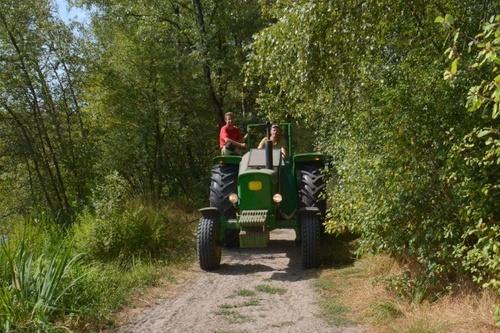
pixel 207 71
pixel 38 119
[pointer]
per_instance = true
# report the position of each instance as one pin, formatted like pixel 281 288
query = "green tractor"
pixel 262 190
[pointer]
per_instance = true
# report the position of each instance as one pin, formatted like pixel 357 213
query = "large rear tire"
pixel 310 230
pixel 209 252
pixel 223 182
pixel 311 187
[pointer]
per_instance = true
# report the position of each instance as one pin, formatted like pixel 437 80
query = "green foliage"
pixel 46 152
pixel 473 167
pixel 415 288
pixel 160 86
pixel 111 195
pixel 367 78
pixel 53 278
pixel 105 287
pixel 34 288
pixel 137 230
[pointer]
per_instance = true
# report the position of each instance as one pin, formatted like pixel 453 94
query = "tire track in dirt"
pixel 255 290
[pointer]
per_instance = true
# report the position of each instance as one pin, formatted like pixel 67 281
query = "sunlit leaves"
pixel 367 78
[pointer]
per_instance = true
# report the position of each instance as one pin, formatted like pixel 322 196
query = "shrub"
pixel 138 230
pixel 103 288
pixel 111 195
pixel 417 173
pixel 43 281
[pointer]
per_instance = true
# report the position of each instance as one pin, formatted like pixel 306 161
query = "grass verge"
pixel 357 293
pixel 73 278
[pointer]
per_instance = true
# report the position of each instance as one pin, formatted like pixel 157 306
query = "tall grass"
pixel 33 288
pixel 138 231
pixel 55 278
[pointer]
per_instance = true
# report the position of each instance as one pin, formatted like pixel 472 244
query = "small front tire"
pixel 310 241
pixel 209 251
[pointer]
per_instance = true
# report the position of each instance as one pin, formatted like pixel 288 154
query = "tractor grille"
pixel 253 218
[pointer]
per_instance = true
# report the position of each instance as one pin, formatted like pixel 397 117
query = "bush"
pixel 139 230
pixel 44 278
pixel 473 165
pixel 111 195
pixel 417 173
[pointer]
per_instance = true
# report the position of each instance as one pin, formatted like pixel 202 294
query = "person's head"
pixel 229 118
pixel 275 131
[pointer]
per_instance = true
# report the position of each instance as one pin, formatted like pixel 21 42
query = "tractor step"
pixel 254 237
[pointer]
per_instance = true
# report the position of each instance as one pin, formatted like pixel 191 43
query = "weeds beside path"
pixel 357 294
pixel 56 278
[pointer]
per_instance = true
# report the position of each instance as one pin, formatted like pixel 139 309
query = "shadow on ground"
pixel 283 258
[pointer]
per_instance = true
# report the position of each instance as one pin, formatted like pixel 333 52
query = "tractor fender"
pixel 309 211
pixel 210 212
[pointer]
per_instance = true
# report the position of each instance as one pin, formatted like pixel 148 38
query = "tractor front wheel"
pixel 209 252
pixel 310 241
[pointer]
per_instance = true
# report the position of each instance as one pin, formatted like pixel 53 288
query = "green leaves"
pixel 33 295
pixel 367 79
pixel 454 66
pixel 447 20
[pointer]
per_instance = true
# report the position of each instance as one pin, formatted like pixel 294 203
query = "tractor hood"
pixel 256 189
pixel 256 184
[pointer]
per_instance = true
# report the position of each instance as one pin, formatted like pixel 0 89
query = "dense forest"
pixel 107 130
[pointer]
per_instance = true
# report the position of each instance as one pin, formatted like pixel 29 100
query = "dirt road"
pixel 253 291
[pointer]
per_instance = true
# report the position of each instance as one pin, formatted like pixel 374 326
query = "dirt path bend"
pixel 255 290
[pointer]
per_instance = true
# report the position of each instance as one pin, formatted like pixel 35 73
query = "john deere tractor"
pixel 262 190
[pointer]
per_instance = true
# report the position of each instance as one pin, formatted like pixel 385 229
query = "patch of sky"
pixel 70 13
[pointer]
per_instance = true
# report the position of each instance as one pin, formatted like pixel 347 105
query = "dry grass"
pixel 359 291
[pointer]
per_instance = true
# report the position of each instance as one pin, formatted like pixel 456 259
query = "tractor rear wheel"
pixel 311 186
pixel 310 226
pixel 223 183
pixel 209 252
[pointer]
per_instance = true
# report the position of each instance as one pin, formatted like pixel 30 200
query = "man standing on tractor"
pixel 230 138
pixel 276 139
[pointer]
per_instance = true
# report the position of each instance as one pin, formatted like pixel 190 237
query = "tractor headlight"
pixel 233 197
pixel 277 198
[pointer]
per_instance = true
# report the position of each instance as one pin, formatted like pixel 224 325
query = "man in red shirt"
pixel 230 138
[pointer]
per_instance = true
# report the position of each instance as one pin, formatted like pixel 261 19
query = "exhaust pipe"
pixel 269 148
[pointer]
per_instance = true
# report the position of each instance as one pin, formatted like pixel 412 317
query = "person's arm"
pixel 223 136
pixel 236 143
pixel 283 146
pixel 262 143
